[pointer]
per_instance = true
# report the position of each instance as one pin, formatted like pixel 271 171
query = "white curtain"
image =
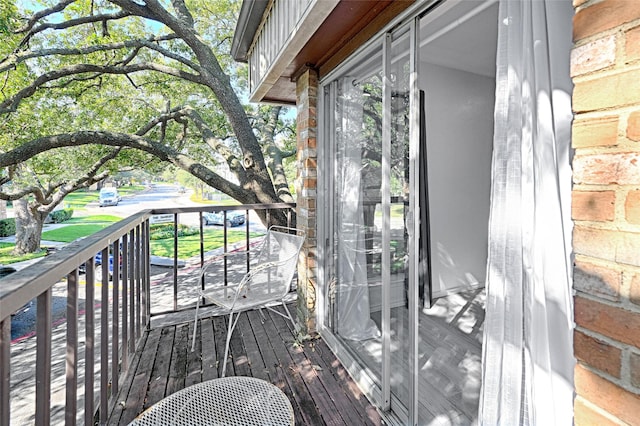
pixel 353 314
pixel 528 353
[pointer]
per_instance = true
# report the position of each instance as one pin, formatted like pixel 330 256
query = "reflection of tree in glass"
pixel 372 133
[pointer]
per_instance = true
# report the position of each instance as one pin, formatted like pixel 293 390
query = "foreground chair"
pixel 273 263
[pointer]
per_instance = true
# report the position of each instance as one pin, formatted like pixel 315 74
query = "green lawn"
pixel 72 232
pixel 100 218
pixel 6 256
pixel 189 246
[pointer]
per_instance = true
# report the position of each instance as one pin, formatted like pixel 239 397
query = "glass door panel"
pixel 355 297
pixel 399 73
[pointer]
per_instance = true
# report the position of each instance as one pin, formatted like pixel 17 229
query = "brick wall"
pixel 605 66
pixel 306 101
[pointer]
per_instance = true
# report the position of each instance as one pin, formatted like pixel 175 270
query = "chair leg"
pixel 295 326
pixel 230 328
pixel 195 326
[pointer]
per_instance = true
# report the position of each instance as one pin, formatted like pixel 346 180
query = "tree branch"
pixel 16 58
pixel 69 24
pixel 43 14
pixel 162 152
pixel 11 104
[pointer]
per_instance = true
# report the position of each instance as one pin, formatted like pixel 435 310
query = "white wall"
pixel 459 113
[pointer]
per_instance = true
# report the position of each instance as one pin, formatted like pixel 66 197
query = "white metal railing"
pixel 105 315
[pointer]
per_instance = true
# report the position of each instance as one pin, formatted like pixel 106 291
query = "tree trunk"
pixel 28 227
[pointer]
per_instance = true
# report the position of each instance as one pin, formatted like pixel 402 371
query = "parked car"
pixel 234 218
pixel 97 260
pixel 108 197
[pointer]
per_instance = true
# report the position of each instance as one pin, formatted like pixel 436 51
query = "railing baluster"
pixel 104 343
pixel 71 387
pixel 89 346
pixel 145 272
pixel 5 368
pixel 132 296
pixel 246 221
pixel 226 249
pixel 175 261
pixel 137 260
pixel 148 263
pixel 43 359
pixel 201 248
pixel 115 314
pixel 125 301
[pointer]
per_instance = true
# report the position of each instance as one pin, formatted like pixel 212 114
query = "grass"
pixel 79 227
pixel 72 232
pixel 101 218
pixel 7 257
pixel 189 246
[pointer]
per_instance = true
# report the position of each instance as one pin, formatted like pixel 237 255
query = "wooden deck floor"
pixel 319 388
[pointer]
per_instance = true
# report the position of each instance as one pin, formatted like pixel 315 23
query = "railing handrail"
pixel 22 286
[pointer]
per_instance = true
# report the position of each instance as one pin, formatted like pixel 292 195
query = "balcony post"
pixel 306 100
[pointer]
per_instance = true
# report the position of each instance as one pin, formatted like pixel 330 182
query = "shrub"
pixel 7 227
pixel 162 231
pixel 60 216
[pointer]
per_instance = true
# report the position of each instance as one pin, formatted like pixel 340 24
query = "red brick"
pixel 597 280
pixel 616 246
pixel 628 248
pixel 632 207
pixel 634 294
pixel 597 353
pixel 599 243
pixel 632 44
pixel 593 56
pixel 634 367
pixel 604 16
pixel 633 125
pixel 593 205
pixel 602 169
pixel 595 132
pixel 615 400
pixel 611 321
pixel 584 415
pixel 609 91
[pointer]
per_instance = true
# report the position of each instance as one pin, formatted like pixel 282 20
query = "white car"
pixel 108 197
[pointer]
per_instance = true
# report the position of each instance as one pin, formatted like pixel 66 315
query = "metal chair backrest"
pixel 274 265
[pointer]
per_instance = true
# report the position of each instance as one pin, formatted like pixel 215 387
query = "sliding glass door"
pixel 371 229
pixel 407 137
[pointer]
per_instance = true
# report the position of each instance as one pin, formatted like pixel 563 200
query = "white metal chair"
pixel 273 263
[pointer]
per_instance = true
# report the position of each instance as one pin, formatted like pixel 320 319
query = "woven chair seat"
pixel 243 401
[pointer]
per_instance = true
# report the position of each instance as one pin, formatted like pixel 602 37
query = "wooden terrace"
pixel 263 346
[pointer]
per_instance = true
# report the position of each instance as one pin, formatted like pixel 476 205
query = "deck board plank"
pixel 329 411
pixel 160 373
pixel 134 387
pixel 262 348
pixel 256 362
pixel 194 362
pixel 301 394
pixel 178 363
